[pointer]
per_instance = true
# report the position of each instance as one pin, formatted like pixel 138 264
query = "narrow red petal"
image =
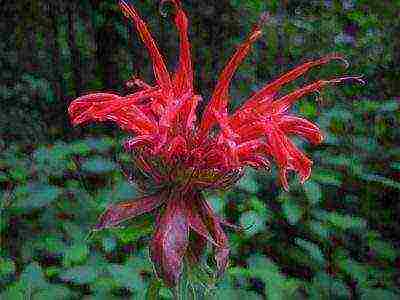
pixel 183 78
pixel 299 161
pixel 283 104
pixel 117 213
pixel 83 103
pixel 122 110
pixel 287 156
pixel 219 98
pixel 170 242
pixel 264 95
pixel 279 152
pixel 160 70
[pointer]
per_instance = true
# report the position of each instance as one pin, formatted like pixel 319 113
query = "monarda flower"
pixel 176 156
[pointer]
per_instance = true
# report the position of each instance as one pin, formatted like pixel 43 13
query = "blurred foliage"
pixel 335 237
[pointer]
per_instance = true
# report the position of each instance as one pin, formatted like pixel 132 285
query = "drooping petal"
pixel 219 99
pixel 83 103
pixel 170 242
pixel 279 153
pixel 183 77
pixel 264 95
pixel 160 70
pixel 117 213
pixel 299 161
pixel 301 127
pixel 287 156
pixel 122 110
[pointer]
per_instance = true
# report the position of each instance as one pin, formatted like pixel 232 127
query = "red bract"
pixel 177 156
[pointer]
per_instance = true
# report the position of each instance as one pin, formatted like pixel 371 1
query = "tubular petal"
pixel 81 104
pixel 160 70
pixel 122 110
pixel 287 156
pixel 301 127
pixel 283 104
pixel 183 77
pixel 273 87
pixel 219 98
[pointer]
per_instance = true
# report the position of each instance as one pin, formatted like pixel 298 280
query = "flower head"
pixel 176 156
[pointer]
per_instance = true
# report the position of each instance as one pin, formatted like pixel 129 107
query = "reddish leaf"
pixel 170 242
pixel 218 234
pixel 120 212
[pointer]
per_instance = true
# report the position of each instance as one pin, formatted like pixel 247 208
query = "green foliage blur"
pixel 335 237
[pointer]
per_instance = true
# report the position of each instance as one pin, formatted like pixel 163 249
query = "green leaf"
pixel 32 278
pixel 153 290
pixel 292 211
pixel 320 229
pixel 313 250
pixel 356 270
pixel 126 277
pixel 378 293
pixel 35 195
pixel 109 244
pixel 13 292
pixel 325 287
pixel 98 165
pixel 313 192
pixel 79 275
pixel 124 191
pixel 396 166
pixel 384 250
pixel 7 266
pixel 327 177
pixel 277 286
pixel 19 174
pixel 53 292
pixel 4 177
pixel 237 293
pixel 76 254
pixel 80 148
pixel 342 221
pixel 388 106
pixel 248 182
pixel 100 144
pixel 381 179
pixel 252 223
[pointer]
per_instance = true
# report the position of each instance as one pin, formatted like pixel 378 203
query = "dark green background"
pixel 336 237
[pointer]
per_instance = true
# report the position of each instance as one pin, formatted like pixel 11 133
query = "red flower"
pixel 177 156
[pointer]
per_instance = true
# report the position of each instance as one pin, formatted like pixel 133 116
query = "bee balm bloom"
pixel 177 156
